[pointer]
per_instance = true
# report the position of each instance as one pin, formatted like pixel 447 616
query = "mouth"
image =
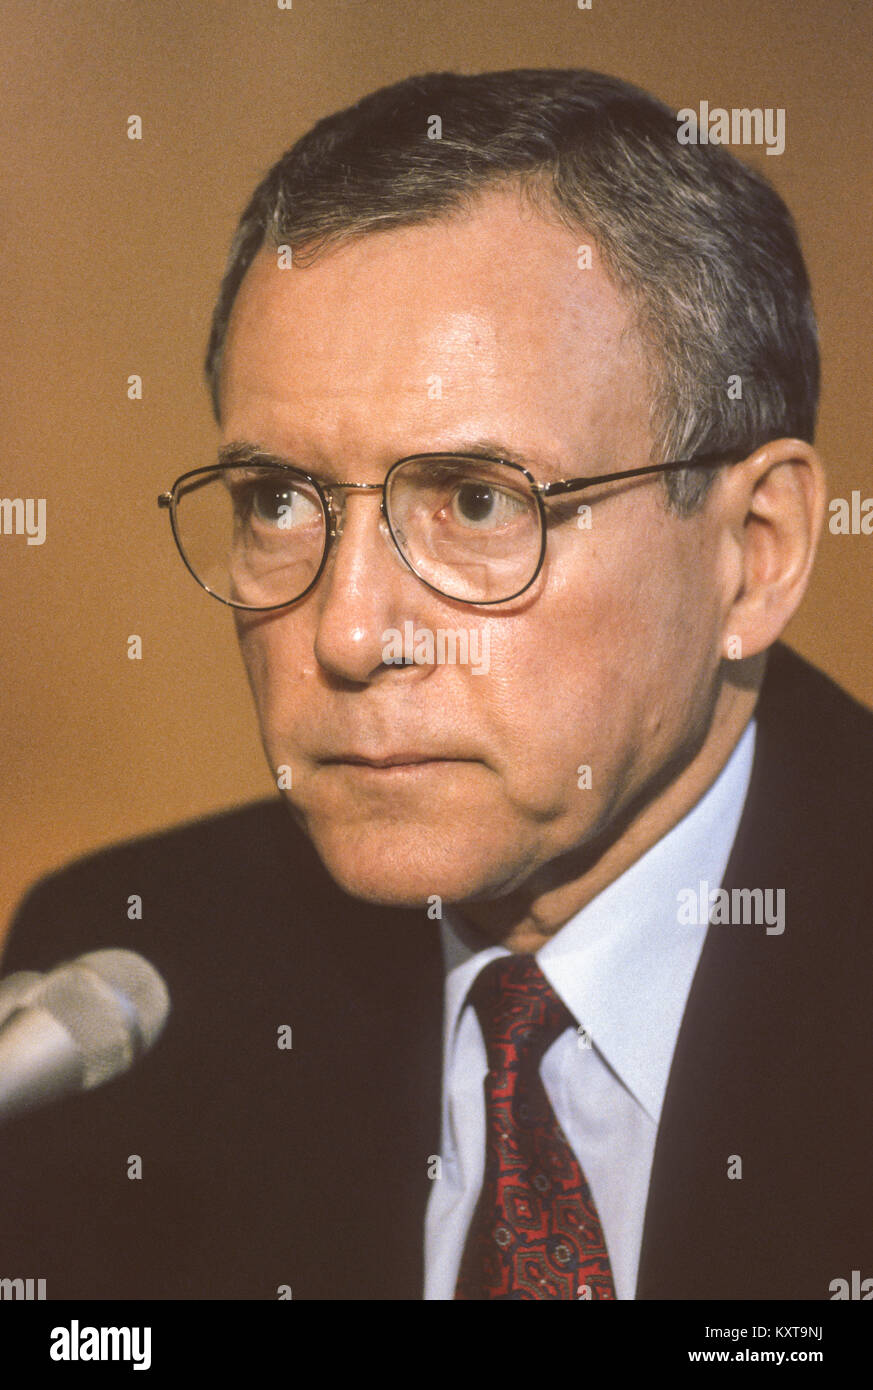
pixel 389 760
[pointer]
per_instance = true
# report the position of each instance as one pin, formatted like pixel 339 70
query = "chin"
pixel 401 867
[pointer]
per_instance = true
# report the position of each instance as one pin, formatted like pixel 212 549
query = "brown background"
pixel 113 251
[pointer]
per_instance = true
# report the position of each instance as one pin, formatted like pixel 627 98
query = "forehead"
pixel 480 325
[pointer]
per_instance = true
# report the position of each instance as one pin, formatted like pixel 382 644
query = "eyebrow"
pixel 241 453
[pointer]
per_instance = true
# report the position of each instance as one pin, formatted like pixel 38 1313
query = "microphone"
pixel 15 991
pixel 77 1026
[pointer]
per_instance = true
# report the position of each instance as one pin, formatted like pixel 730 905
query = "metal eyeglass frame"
pixel 324 491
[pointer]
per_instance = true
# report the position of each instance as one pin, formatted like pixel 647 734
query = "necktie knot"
pixel 517 1009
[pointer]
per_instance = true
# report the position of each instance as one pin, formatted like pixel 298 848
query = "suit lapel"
pixel 748 1060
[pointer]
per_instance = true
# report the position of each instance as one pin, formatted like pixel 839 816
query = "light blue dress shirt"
pixel 624 967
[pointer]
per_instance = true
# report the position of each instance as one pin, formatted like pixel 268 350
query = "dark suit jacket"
pixel 308 1167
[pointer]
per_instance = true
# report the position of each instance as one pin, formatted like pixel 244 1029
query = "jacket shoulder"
pixel 817 739
pixel 159 885
pixel 794 690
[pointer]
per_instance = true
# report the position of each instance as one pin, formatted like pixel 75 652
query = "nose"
pixel 366 588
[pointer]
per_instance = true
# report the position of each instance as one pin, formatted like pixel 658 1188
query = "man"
pixel 515 494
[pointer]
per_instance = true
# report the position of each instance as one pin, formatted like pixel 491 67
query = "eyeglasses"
pixel 255 533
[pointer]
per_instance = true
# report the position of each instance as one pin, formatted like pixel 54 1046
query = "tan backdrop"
pixel 113 251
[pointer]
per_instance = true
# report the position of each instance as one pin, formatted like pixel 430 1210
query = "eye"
pixel 479 504
pixel 274 506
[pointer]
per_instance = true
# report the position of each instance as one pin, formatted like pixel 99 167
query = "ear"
pixel 771 508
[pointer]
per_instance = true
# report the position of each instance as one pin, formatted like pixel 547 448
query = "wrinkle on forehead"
pixel 484 316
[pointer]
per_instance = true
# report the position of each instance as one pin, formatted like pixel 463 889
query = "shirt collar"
pixel 623 964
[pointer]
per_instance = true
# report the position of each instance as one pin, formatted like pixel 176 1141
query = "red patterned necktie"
pixel 535 1232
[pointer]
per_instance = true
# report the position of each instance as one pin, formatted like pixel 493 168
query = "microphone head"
pixel 137 982
pixel 113 1003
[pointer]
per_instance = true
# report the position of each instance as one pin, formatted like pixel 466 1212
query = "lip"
pixel 401 759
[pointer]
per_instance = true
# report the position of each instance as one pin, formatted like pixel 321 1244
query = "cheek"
pixel 604 674
pixel 277 665
pixel 558 703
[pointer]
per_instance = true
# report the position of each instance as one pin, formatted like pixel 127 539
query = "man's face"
pixel 480 330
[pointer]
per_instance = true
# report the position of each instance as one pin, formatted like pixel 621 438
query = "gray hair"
pixel 702 246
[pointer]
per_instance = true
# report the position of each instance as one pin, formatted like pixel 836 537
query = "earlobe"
pixel 775 502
